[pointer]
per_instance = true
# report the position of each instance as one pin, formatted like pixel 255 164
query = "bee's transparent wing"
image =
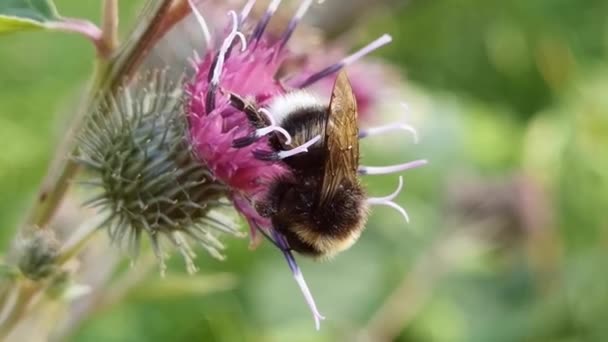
pixel 341 139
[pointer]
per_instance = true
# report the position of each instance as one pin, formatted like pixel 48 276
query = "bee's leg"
pixel 275 156
pixel 332 69
pixel 382 170
pixel 388 201
pixel 218 62
pixel 265 124
pixel 299 277
pixel 253 115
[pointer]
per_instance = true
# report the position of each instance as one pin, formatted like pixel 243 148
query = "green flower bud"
pixel 37 255
pixel 136 149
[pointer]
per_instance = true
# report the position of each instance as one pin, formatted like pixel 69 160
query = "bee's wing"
pixel 341 139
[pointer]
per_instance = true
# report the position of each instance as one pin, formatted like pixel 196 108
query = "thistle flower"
pixel 374 82
pixel 135 149
pixel 244 60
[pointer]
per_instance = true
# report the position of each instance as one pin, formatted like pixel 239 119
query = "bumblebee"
pixel 320 208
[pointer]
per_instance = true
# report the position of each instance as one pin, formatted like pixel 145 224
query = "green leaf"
pixel 12 24
pixel 19 15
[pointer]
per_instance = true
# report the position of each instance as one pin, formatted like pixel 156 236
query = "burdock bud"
pixel 136 148
pixel 37 254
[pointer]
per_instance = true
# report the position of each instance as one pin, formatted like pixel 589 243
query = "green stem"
pixel 78 240
pixel 24 294
pixel 63 168
pixel 109 75
pixel 109 24
pixel 111 71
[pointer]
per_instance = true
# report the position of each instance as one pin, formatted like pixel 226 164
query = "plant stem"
pixel 63 168
pixel 85 232
pixel 109 75
pixel 112 70
pixel 84 28
pixel 10 302
pixel 24 292
pixel 109 24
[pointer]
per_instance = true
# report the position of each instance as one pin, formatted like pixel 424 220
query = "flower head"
pixel 150 182
pixel 235 101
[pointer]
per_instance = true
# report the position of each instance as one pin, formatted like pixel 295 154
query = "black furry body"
pixel 293 202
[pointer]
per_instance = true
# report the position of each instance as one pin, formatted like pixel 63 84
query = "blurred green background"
pixel 509 233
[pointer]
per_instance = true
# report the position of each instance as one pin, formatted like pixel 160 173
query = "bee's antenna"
pixel 274 156
pixel 364 133
pixel 218 63
pixel 291 26
pixel 201 22
pixel 388 201
pixel 332 69
pixel 261 26
pixel 382 170
pixel 299 278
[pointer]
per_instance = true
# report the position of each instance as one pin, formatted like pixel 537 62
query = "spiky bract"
pixel 135 146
